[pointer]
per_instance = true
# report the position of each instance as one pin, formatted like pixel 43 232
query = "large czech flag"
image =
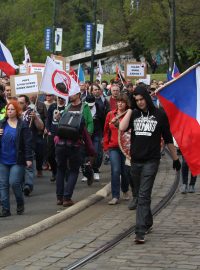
pixel 180 99
pixel 7 64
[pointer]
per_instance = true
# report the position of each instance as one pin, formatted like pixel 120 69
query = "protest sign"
pixel 59 60
pixel 146 80
pixel 36 68
pixel 25 84
pixel 135 70
pixel 67 65
pixel 22 69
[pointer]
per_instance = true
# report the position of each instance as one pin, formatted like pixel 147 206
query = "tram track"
pixel 117 239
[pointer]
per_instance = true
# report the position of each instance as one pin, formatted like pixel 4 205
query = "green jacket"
pixel 2 113
pixel 88 118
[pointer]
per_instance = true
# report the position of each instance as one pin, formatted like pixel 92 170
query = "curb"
pixel 55 219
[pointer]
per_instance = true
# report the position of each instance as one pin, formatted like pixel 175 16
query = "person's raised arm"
pixel 125 121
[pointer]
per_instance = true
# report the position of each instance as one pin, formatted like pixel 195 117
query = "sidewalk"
pixel 173 244
pixel 124 256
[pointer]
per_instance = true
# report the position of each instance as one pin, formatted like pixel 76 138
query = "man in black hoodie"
pixel 147 124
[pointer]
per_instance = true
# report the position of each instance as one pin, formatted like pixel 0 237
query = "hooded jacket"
pixel 147 128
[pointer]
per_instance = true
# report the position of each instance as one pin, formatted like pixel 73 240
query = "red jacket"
pixel 110 136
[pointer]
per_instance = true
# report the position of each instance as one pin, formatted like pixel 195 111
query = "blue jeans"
pixel 11 175
pixel 29 176
pixel 117 160
pixel 185 172
pixel 68 163
pixel 96 140
pixel 144 175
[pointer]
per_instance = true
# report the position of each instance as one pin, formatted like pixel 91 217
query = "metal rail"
pixel 109 245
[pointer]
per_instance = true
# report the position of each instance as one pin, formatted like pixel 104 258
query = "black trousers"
pixel 143 175
pixel 51 154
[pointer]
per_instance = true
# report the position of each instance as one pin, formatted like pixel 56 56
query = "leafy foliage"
pixel 145 26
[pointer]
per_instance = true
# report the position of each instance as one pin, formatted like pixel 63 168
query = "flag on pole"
pixel 81 75
pixel 7 64
pixel 27 58
pixel 57 82
pixel 99 71
pixel 119 75
pixel 169 76
pixel 175 71
pixel 73 74
pixel 180 99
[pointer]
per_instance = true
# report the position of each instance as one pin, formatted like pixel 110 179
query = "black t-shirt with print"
pixel 146 132
pixel 52 121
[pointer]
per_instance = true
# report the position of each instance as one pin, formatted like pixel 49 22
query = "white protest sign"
pixel 146 80
pixel 135 70
pixel 67 67
pixel 36 67
pixel 25 84
pixel 59 60
pixel 22 69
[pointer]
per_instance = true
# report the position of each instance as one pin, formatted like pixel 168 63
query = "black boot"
pixel 20 209
pixel 5 213
pixel 133 204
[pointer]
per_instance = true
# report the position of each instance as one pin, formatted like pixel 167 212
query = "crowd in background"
pixel 29 143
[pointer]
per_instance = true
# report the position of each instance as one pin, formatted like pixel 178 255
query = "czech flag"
pixel 180 99
pixel 175 71
pixel 7 64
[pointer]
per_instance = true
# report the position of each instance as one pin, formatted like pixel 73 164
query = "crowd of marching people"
pixel 34 137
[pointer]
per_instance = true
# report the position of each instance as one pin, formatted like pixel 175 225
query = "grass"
pixel 108 77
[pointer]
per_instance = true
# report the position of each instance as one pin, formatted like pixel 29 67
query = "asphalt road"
pixel 42 202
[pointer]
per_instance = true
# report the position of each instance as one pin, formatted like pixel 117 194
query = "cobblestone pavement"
pixel 174 243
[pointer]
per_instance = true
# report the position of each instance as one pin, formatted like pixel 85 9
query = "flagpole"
pixel 175 79
pixel 120 76
pixel 78 72
pixel 172 15
pixel 35 109
pixel 93 40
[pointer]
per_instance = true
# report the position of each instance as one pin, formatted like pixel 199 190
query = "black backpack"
pixel 71 124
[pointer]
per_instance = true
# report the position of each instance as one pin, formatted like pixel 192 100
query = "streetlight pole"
pixel 93 40
pixel 54 26
pixel 172 33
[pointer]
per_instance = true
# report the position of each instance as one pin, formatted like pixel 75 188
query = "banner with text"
pixel 135 70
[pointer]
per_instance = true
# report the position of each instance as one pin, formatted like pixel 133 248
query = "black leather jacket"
pixel 23 141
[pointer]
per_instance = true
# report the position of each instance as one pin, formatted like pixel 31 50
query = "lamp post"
pixel 54 26
pixel 93 40
pixel 172 33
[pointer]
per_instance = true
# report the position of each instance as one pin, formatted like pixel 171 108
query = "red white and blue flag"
pixel 180 99
pixel 7 64
pixel 175 72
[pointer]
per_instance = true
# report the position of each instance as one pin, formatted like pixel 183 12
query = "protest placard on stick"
pixel 25 84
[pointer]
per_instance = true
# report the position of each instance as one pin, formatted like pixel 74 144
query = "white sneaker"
pixel 84 179
pixel 113 201
pixel 126 196
pixel 96 177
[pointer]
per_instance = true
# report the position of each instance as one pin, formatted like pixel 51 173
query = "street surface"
pixel 60 246
pixel 42 202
